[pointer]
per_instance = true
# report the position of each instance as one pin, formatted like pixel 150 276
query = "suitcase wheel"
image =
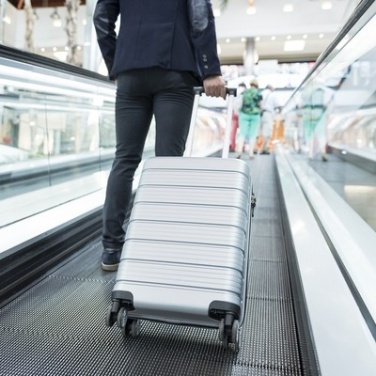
pixel 226 338
pixel 235 335
pixel 119 314
pixel 132 328
pixel 225 342
pixel 221 330
pixel 111 315
pixel 122 318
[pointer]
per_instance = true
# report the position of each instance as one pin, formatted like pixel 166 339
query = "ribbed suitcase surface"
pixel 185 255
pixel 187 237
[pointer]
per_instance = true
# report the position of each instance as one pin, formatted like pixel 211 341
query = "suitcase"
pixel 186 250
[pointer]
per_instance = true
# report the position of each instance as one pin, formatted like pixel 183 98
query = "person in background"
pixel 162 50
pixel 270 107
pixel 235 115
pixel 314 121
pixel 249 118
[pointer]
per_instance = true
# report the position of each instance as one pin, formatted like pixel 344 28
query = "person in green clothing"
pixel 249 119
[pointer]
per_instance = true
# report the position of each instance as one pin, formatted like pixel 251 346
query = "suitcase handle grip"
pixel 199 90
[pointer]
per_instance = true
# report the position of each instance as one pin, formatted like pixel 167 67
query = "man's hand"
pixel 214 86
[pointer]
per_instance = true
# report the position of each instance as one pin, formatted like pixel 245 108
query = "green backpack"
pixel 251 101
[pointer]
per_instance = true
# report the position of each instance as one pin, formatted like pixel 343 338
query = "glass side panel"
pixel 337 104
pixel 57 137
pixel 332 117
pixel 55 127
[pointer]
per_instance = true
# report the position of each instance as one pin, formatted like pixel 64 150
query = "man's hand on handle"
pixel 215 86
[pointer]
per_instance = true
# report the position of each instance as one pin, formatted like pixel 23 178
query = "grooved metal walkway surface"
pixel 57 327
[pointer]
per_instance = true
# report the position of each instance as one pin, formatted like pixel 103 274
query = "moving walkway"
pixel 310 307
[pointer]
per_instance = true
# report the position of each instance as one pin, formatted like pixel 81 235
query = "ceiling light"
pixel 326 5
pixel 251 9
pixel 288 8
pixel 7 20
pixel 216 12
pixel 294 45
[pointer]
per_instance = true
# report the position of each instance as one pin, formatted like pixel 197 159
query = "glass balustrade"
pixel 333 114
pixel 57 135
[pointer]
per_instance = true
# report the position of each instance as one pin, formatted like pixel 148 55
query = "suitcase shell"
pixel 185 256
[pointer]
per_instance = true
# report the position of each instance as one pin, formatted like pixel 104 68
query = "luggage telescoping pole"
pixel 230 106
pixel 198 90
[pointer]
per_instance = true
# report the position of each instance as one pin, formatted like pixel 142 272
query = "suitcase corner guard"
pixel 218 309
pixel 228 316
pixel 124 297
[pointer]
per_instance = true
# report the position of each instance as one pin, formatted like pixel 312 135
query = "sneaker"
pixel 111 259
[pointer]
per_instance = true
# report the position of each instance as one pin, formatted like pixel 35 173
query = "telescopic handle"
pixel 199 90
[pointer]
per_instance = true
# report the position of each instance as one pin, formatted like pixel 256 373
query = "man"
pixel 162 50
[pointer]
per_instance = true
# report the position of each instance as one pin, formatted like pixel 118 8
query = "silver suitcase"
pixel 185 256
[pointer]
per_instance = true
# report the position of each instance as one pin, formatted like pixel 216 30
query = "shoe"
pixel 324 158
pixel 111 259
pixel 239 156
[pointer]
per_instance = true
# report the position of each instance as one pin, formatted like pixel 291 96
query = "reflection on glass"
pixel 335 110
pixel 337 104
pixel 54 127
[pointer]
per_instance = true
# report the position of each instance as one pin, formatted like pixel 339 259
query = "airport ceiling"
pixel 278 26
pixel 283 30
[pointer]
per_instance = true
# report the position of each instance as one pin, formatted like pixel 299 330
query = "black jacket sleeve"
pixel 105 15
pixel 204 37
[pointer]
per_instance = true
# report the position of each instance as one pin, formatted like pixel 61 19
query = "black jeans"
pixel 168 95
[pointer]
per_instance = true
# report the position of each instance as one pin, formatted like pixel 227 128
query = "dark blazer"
pixel 171 34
